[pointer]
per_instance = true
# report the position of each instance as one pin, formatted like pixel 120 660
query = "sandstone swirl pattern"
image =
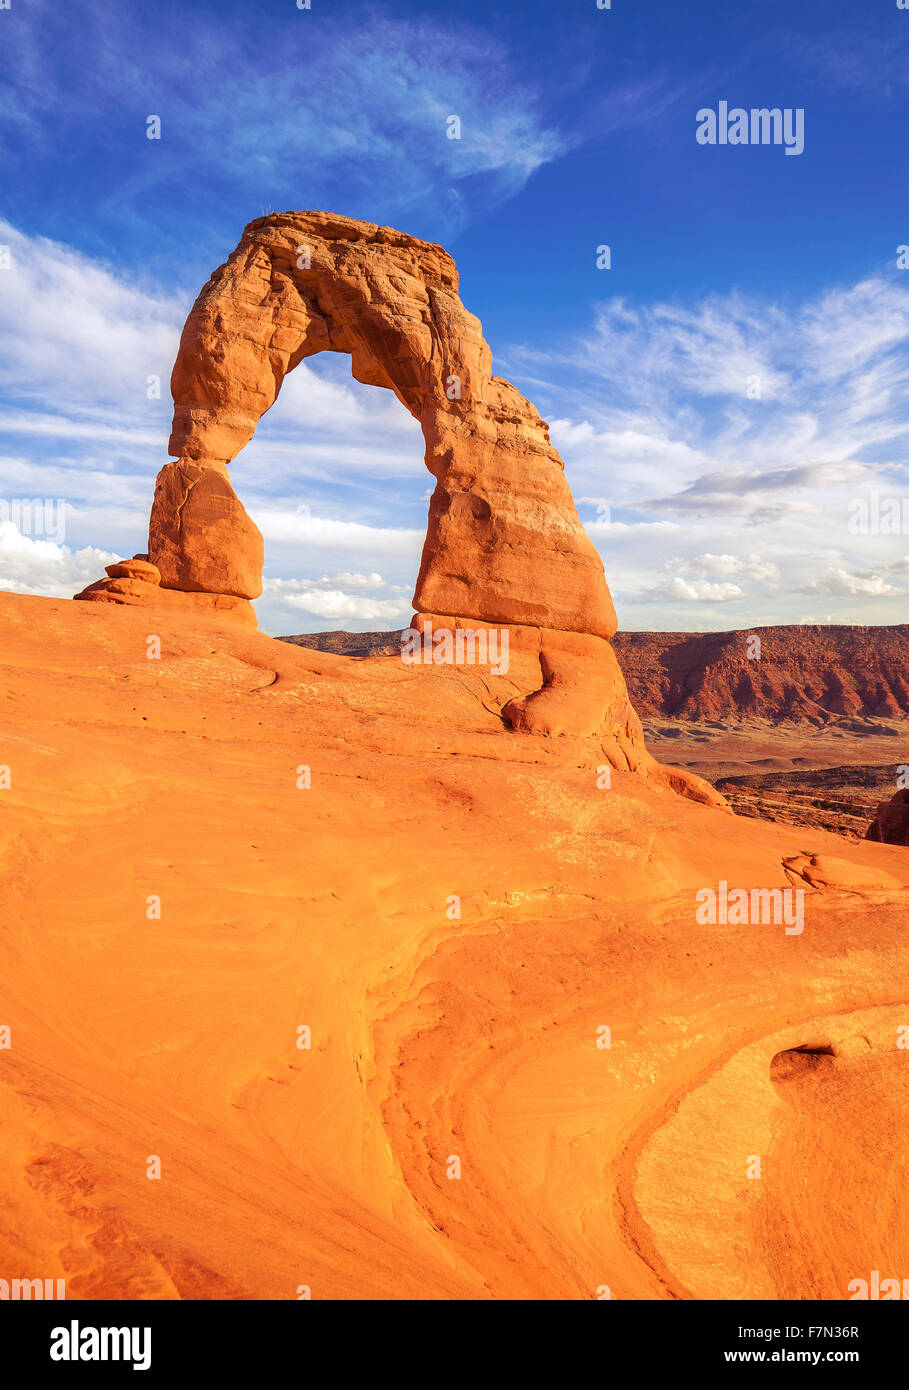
pixel 433 1036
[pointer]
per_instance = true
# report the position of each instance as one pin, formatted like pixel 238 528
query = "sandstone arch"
pixel 302 283
pixel 504 543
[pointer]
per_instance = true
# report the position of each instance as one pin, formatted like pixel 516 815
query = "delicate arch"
pixel 504 542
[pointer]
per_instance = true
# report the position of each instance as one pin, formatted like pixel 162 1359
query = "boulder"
pixel 201 537
pixel 139 569
pixel 891 824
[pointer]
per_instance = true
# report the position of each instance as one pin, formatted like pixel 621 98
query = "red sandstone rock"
pixel 577 689
pixel 826 872
pixel 816 674
pixel 134 569
pixel 134 592
pixel 476 1034
pixel 891 824
pixel 200 535
pixel 582 690
pixel 504 542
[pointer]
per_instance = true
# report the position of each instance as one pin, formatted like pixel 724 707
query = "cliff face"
pixel 811 674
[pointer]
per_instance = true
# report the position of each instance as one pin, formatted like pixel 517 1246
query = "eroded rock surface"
pixel 200 535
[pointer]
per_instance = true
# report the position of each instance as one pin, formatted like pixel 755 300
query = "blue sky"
pixel 715 502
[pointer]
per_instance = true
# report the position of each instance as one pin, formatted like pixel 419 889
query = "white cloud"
pixel 353 581
pixel 326 599
pixel 837 581
pixel 314 399
pixel 339 606
pixel 335 477
pixel 365 111
pixel 336 468
pixel 724 566
pixel 327 533
pixel 43 567
pixel 77 336
pixel 676 423
pixel 696 591
pixel 655 423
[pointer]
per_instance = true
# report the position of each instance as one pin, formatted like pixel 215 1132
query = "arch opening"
pixel 334 479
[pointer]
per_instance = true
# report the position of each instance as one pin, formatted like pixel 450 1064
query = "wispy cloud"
pixel 744 383
pixel 330 597
pixel 706 425
pixel 358 101
pixel 868 64
pixel 77 336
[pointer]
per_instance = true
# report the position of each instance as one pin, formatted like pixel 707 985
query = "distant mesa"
pixel 820 675
pixel 504 543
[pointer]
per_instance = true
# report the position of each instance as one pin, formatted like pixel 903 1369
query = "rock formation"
pixel 891 824
pixel 504 544
pixel 200 535
pixel 138 581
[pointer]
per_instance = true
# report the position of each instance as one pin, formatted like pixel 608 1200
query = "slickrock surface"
pixel 180 906
pixel 848 678
pixel 793 765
